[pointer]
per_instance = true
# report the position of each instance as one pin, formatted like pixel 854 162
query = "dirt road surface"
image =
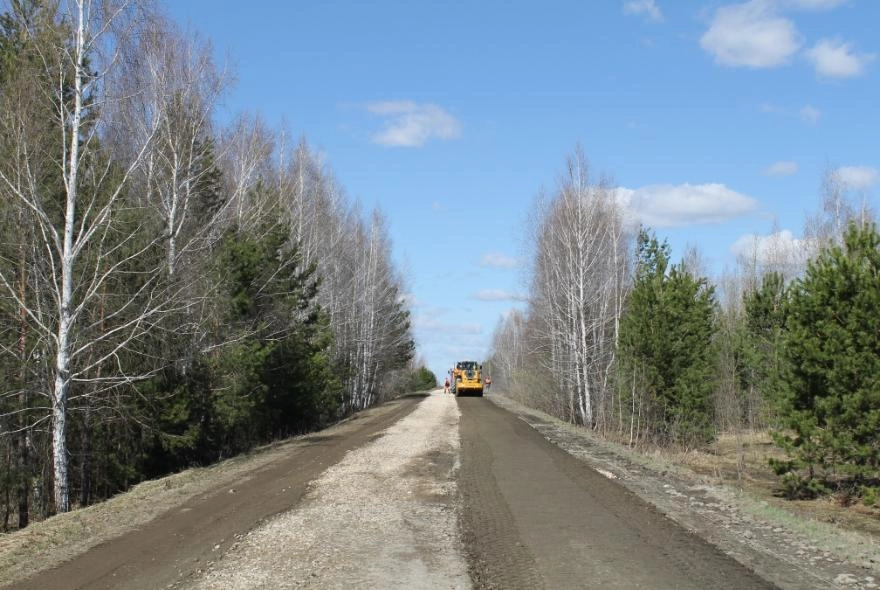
pixel 381 518
pixel 435 491
pixel 536 517
pixel 183 540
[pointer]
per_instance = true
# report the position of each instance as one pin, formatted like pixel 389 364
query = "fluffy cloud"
pixel 813 4
pixel 783 168
pixel 496 260
pixel 431 323
pixel 751 34
pixel 833 58
pixel 810 114
pixel 685 204
pixel 498 295
pixel 410 124
pixel 646 8
pixel 780 249
pixel 857 177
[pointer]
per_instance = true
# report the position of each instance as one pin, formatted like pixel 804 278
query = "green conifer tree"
pixel 829 397
pixel 760 339
pixel 666 334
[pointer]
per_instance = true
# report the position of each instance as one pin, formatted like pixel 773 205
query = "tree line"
pixel 621 339
pixel 172 290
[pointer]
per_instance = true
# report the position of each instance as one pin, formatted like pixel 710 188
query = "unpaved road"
pixel 536 517
pixel 425 492
pixel 175 545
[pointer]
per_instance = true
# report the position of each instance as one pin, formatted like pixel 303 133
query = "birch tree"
pixel 578 287
pixel 174 87
pixel 85 243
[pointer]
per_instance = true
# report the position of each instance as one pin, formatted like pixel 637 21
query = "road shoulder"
pixel 189 517
pixel 726 518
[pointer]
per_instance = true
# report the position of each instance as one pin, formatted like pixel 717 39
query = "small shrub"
pixel 870 495
pixel 795 486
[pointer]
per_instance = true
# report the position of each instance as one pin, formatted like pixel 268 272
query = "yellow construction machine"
pixel 467 378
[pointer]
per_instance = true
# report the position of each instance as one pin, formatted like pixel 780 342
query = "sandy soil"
pixel 381 518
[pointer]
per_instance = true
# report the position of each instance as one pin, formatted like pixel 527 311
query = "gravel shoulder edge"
pixel 63 537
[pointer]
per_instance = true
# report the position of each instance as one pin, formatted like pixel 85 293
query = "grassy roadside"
pixel 59 538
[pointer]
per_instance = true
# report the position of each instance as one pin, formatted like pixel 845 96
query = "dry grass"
pixel 60 538
pixel 64 536
pixel 740 461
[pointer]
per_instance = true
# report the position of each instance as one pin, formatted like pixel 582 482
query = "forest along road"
pixel 424 492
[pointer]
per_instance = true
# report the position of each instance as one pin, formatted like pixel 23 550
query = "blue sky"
pixel 716 119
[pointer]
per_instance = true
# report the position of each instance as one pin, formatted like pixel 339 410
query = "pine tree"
pixel 760 339
pixel 666 337
pixel 829 400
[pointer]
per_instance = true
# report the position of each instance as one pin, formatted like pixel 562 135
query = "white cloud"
pixel 646 8
pixel 496 260
pixel 432 324
pixel 813 4
pixel 810 114
pixel 409 300
pixel 498 295
pixel 410 124
pixel 777 249
pixel 782 168
pixel 686 204
pixel 833 58
pixel 751 34
pixel 857 177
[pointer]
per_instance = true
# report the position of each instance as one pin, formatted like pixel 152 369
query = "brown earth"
pixel 188 537
pixel 782 542
pixel 541 504
pixel 534 516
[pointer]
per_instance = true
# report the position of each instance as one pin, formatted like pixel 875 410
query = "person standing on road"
pixel 446 386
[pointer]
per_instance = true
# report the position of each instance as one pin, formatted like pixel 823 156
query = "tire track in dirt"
pixel 497 559
pixel 190 536
pixel 566 525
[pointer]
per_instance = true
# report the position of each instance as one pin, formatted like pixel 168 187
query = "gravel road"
pixel 189 533
pixel 429 492
pixel 383 517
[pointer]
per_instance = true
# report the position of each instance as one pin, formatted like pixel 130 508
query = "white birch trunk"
pixel 65 302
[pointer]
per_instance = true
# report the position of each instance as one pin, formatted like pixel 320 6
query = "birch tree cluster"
pixel 619 338
pixel 172 290
pixel 577 293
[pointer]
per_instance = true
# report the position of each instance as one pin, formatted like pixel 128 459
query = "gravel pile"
pixel 384 517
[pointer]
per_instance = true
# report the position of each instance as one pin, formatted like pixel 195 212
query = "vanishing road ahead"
pixel 424 492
